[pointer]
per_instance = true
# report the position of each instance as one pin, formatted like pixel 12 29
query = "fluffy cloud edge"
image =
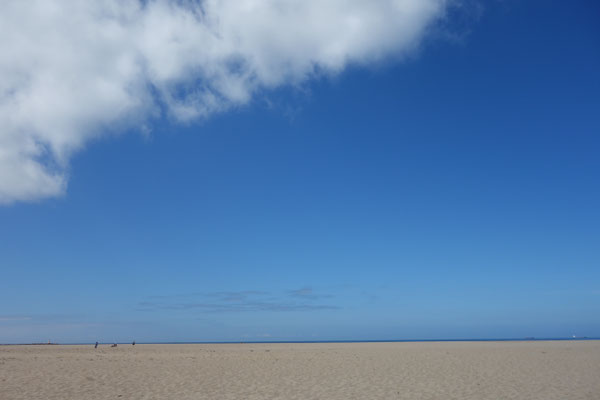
pixel 75 71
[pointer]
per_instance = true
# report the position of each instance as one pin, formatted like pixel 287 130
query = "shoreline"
pixel 317 341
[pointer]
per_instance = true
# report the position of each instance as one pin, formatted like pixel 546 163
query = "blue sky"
pixel 451 192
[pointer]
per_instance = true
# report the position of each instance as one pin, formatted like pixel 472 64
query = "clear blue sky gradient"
pixel 453 195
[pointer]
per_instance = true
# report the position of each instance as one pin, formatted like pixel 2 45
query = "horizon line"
pixel 525 339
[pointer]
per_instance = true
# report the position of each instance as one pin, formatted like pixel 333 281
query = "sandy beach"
pixel 430 370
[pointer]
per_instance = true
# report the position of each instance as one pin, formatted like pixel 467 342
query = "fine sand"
pixel 441 370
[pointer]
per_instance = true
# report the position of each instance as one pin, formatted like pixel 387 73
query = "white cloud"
pixel 72 70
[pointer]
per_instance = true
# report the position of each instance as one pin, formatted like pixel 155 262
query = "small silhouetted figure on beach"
pixel 96 346
pixel 113 345
pixel 133 344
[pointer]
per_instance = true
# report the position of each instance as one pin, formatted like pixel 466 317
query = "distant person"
pixel 114 345
pixel 96 346
pixel 133 344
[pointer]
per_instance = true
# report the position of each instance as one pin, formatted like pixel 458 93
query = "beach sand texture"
pixel 426 370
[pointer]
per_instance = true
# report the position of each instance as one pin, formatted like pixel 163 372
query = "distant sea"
pixel 378 341
pixel 349 341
